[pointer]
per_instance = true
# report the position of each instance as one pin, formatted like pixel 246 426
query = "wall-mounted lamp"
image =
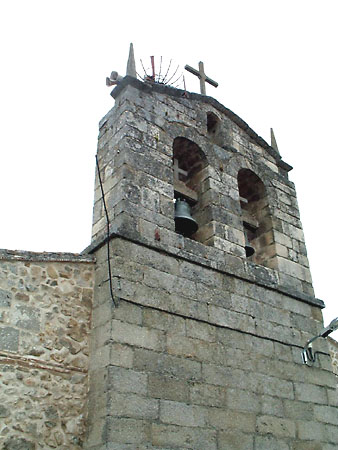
pixel 308 356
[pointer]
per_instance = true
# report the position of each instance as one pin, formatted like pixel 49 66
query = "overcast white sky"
pixel 276 64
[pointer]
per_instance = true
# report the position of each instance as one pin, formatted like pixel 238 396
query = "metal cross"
pixel 178 170
pixel 202 76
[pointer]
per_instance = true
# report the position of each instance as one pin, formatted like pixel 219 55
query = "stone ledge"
pixel 23 255
pixel 253 273
pixel 34 363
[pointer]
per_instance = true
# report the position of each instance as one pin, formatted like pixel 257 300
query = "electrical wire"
pixel 108 228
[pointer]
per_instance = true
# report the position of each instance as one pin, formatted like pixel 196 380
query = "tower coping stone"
pixel 22 255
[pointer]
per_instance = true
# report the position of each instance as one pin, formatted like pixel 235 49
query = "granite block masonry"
pixel 204 349
pixel 183 342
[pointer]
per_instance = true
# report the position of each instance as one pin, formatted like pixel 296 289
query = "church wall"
pixel 45 313
pixel 204 349
pixel 333 347
pixel 195 358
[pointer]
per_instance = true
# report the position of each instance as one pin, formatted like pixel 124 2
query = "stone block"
pixel 126 380
pixel 272 406
pixel 178 413
pixel 168 388
pixel 231 420
pixel 9 339
pixel 333 396
pixel 298 410
pixel 192 348
pixel 311 431
pixel 27 317
pixel 231 319
pixel 150 199
pixel 163 321
pixel 208 395
pixel 173 436
pixel 102 314
pixel 276 426
pixel 132 405
pixel 221 376
pixel 200 330
pixel 161 363
pixel 307 445
pixel 310 393
pixel 160 279
pixel 329 447
pixel 268 385
pixel 283 239
pixel 126 430
pixel 114 354
pixel 270 443
pixel 326 414
pixel 283 352
pixel 131 334
pixel 167 207
pixel 4 412
pixel 331 434
pixel 235 441
pixel 241 400
pixel 145 256
pixel 18 443
pixel 127 312
pixel 257 346
pixel 5 298
pixel 100 335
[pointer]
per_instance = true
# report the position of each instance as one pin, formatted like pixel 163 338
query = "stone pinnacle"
pixel 131 68
pixel 273 141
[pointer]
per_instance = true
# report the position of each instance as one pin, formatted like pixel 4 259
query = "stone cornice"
pixel 253 273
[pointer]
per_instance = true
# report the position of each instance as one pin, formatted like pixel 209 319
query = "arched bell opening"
pixel 189 163
pixel 256 217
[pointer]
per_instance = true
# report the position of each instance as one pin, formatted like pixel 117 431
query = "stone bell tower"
pixel 197 338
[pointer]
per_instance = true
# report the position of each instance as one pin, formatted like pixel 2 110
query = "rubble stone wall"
pixel 45 313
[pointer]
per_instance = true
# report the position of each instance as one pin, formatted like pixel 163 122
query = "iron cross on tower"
pixel 202 76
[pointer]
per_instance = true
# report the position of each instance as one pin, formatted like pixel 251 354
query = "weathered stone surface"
pixel 18 444
pixel 198 346
pixel 5 298
pixel 333 347
pixel 276 426
pixel 44 350
pixel 178 436
pixel 9 339
pixel 235 441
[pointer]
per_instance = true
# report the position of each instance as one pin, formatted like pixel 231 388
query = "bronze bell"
pixel 249 250
pixel 184 223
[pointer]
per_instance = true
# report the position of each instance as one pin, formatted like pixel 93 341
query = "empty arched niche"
pixel 257 222
pixel 189 163
pixel 213 128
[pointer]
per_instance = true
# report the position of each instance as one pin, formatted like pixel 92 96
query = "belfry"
pixel 190 321
pixel 204 349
